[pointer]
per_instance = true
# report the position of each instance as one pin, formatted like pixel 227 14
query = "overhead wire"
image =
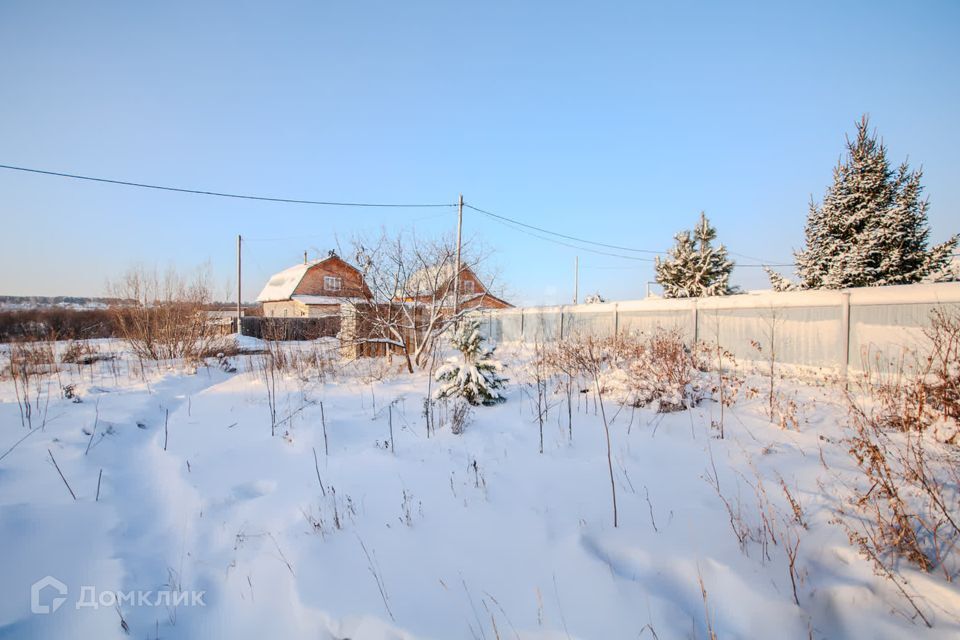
pixel 221 194
pixel 567 244
pixel 518 225
pixel 558 234
pixel 505 220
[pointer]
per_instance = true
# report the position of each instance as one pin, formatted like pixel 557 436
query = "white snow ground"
pixel 471 536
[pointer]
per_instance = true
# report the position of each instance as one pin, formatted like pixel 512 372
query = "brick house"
pixel 436 283
pixel 313 289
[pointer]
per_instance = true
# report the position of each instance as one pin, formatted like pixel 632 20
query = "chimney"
pixel 304 257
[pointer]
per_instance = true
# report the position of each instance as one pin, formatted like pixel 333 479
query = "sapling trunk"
pixel 390 422
pixel 323 421
pixel 54 460
pixel 606 430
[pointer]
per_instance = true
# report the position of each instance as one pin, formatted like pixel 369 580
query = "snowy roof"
pixel 282 285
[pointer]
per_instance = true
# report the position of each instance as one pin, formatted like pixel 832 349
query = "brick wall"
pixel 351 282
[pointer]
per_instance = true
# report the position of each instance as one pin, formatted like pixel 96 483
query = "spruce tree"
pixel 693 267
pixel 476 377
pixel 871 228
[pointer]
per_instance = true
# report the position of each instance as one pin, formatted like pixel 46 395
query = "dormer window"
pixel 332 283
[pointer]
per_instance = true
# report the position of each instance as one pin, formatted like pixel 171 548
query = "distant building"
pixel 313 289
pixel 435 284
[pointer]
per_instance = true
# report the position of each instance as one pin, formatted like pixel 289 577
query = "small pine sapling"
pixel 476 376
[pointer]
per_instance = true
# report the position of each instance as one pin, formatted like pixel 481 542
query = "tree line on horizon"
pixel 870 230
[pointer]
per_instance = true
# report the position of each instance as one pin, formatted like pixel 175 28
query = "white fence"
pixel 826 329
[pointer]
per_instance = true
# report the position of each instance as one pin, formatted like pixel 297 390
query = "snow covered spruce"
pixel 694 267
pixel 475 375
pixel 871 228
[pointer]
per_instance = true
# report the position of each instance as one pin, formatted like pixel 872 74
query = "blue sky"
pixel 613 121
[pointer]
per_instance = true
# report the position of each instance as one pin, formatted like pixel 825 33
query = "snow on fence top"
pixel 836 329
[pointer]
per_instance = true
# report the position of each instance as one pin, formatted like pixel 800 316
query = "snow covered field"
pixel 453 536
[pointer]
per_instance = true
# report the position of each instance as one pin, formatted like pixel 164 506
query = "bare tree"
pixel 410 301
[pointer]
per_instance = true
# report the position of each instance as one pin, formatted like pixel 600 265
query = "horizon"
pixel 615 124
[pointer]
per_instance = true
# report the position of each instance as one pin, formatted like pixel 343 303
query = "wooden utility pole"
pixel 239 298
pixel 456 276
pixel 576 279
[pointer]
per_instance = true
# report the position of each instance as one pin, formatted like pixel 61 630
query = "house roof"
pixel 281 285
pixel 427 280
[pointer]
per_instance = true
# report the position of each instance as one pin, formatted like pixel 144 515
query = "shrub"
pixel 166 317
pixel 79 352
pixel 460 417
pixel 907 501
pixel 922 395
pixel 658 370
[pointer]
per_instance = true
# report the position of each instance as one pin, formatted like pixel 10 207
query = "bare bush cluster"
pixel 460 416
pixel 922 393
pixel 30 362
pixel 906 504
pixel 165 317
pixel 909 497
pixel 80 352
pixel 657 370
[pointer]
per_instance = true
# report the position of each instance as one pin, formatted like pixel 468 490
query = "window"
pixel 466 286
pixel 331 283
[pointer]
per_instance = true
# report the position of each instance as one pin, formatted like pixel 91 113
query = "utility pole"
pixel 576 279
pixel 456 277
pixel 239 298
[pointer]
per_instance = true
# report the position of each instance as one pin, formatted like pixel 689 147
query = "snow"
pixel 461 533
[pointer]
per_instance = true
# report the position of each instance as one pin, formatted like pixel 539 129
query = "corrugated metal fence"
pixel 827 329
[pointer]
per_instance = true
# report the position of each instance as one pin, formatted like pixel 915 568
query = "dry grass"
pixel 903 418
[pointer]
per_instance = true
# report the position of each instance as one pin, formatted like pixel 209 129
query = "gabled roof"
pixel 425 282
pixel 429 279
pixel 282 285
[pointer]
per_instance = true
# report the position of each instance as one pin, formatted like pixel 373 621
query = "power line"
pixel 505 219
pixel 560 235
pixel 219 194
pixel 510 224
pixel 513 223
pixel 760 260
